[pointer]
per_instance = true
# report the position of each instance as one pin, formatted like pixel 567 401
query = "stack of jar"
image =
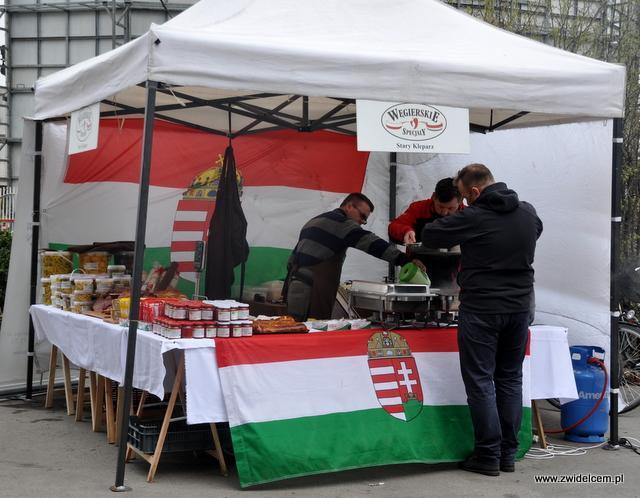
pixel 202 319
pixel 232 318
pixel 77 291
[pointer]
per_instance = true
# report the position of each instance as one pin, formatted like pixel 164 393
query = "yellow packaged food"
pixel 83 284
pixel 94 262
pixel 82 296
pixel 124 303
pixel 46 291
pixel 56 263
pixel 80 306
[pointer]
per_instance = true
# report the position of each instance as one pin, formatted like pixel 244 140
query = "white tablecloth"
pixel 551 368
pixel 101 347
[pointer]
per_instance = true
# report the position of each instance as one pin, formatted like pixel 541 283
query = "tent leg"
pixel 136 285
pixel 616 221
pixel 35 244
pixel 393 172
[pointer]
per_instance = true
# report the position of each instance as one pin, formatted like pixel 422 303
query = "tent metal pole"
pixel 35 242
pixel 393 173
pixel 616 221
pixel 136 285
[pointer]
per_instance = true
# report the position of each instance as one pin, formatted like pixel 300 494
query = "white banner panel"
pixel 85 125
pixel 395 127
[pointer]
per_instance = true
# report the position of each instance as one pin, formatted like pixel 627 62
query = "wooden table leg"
pixel 51 383
pixel 110 412
pixel 80 394
pixel 154 459
pixel 119 399
pixel 68 388
pixel 217 453
pixel 143 398
pixel 97 399
pixel 538 419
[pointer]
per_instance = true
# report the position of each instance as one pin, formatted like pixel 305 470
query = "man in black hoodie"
pixel 497 235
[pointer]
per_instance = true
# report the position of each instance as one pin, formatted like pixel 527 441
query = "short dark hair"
pixel 356 198
pixel 474 175
pixel 446 190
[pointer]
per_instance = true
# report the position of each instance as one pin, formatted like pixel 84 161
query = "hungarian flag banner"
pixel 322 402
pixel 284 178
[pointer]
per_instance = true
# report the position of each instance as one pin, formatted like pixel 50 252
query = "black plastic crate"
pixel 143 435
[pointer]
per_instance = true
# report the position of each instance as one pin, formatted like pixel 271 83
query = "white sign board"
pixel 393 127
pixel 83 129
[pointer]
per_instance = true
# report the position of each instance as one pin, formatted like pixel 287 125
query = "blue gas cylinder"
pixel 590 379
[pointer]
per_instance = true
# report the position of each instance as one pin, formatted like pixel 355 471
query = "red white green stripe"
pixel 305 404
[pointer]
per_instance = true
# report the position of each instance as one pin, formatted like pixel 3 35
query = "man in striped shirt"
pixel 315 266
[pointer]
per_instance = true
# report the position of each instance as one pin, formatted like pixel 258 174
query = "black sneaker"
pixel 472 464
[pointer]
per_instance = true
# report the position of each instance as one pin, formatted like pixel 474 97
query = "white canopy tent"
pixel 253 65
pixel 406 51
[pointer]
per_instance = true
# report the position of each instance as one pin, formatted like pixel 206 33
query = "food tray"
pixel 389 297
pixel 143 436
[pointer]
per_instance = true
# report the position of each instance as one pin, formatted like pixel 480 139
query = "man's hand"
pixel 420 264
pixel 409 237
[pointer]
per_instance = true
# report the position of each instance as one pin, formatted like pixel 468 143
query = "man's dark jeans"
pixel 492 349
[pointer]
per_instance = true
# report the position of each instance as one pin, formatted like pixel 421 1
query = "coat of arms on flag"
pixel 193 216
pixel 394 373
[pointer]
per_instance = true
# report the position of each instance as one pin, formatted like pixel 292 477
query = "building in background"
pixel 42 38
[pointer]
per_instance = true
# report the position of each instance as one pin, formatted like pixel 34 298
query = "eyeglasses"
pixel 362 215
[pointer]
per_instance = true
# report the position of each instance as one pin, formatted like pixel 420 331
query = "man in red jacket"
pixel 407 227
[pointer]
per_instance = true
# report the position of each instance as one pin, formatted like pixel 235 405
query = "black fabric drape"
pixel 227 246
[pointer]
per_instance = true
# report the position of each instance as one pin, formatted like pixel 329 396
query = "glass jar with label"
pixel 180 310
pixel 236 328
pixel 233 311
pixel 224 329
pixel 208 311
pixel 187 330
pixel 247 328
pixel 173 329
pixel 210 329
pixel 243 311
pixel 223 312
pixel 194 310
pixel 198 329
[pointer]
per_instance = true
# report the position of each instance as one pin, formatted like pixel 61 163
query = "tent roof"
pixel 229 55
